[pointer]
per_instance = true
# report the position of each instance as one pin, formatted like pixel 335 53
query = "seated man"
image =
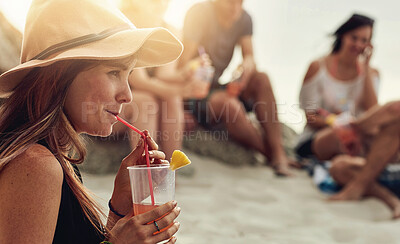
pixel 358 175
pixel 218 26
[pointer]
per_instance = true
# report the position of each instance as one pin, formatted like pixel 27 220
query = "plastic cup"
pixel 163 183
pixel 205 73
pixel 346 134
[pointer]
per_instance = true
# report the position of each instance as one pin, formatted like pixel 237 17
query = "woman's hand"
pixel 121 198
pixel 367 54
pixel 141 228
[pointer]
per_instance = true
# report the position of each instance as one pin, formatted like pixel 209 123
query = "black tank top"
pixel 72 224
pixel 73 227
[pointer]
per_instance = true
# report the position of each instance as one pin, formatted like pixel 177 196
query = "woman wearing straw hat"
pixel 73 79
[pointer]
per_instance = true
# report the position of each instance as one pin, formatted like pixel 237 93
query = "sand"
pixel 224 204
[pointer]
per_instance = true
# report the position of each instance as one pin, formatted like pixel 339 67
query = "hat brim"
pixel 153 46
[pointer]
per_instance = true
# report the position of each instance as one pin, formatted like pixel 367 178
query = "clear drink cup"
pixel 346 134
pixel 163 185
pixel 205 73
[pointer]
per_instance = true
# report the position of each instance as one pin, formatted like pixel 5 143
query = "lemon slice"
pixel 178 160
pixel 194 64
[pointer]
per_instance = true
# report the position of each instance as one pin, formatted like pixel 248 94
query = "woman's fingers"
pixel 156 154
pixel 157 213
pixel 172 240
pixel 169 218
pixel 166 222
pixel 167 234
pixel 160 161
pixel 135 155
pixel 142 227
pixel 150 142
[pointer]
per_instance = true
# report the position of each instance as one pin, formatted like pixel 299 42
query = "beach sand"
pixel 224 204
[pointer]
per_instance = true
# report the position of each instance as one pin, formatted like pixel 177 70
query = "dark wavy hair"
pixel 354 22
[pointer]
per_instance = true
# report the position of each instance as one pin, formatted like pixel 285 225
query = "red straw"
pixel 146 153
pixel 130 126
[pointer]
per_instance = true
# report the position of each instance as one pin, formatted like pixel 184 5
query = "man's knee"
pixel 262 80
pixel 394 108
pixel 340 164
pixel 226 108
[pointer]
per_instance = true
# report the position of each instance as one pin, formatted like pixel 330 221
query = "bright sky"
pixel 289 34
pixel 16 10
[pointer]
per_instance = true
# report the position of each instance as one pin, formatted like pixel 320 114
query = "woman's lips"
pixel 113 113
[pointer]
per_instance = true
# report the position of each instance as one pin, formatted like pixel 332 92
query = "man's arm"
pixel 249 65
pixel 194 27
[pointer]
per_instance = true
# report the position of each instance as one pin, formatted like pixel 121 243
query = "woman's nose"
pixel 125 94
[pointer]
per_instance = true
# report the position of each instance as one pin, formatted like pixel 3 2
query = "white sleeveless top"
pixel 336 96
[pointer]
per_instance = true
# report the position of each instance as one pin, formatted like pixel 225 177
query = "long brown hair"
pixel 34 112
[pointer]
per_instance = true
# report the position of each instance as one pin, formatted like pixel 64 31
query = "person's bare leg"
pixel 171 125
pixel 225 108
pixel 345 168
pixel 384 147
pixel 378 116
pixel 325 144
pixel 260 89
pixel 381 192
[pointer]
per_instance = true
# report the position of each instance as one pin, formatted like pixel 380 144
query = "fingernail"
pixel 178 209
pixel 174 203
pixel 151 152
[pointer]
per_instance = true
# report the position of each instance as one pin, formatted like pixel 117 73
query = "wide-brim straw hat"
pixel 58 30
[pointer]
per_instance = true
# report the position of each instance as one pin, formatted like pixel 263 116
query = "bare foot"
pixel 282 168
pixel 396 211
pixel 394 204
pixel 350 192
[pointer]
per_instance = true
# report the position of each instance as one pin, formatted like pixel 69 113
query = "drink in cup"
pixel 346 134
pixel 204 72
pixel 162 182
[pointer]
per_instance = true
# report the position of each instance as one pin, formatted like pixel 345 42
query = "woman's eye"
pixel 114 73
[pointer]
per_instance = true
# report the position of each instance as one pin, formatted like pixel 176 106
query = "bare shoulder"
pixel 36 169
pixel 38 160
pixel 312 71
pixel 30 189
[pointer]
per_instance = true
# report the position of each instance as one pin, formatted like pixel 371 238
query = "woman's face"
pixel 95 95
pixel 354 42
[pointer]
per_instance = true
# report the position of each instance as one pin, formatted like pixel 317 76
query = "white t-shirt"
pixel 336 96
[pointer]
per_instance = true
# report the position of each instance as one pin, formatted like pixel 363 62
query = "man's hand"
pixel 249 67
